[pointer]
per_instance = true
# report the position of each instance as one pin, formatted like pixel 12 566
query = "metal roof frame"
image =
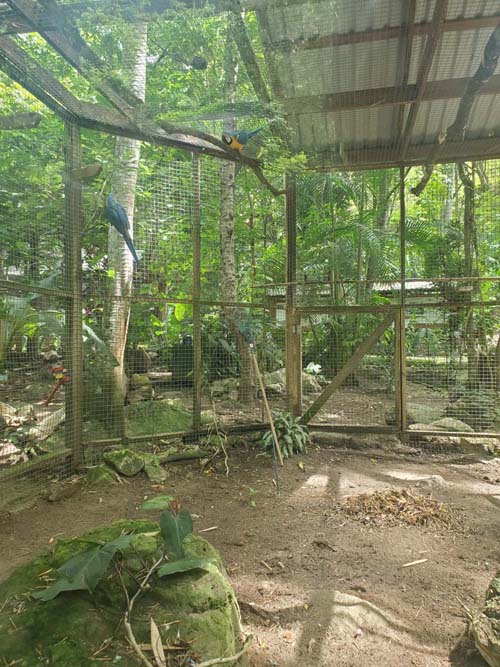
pixel 401 100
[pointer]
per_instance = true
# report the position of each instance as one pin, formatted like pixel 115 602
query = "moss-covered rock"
pixel 150 417
pixel 153 470
pixel 125 461
pixel 98 475
pixel 68 630
pixel 485 626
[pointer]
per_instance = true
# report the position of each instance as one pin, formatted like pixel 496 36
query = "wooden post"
pixel 293 342
pixel 196 237
pixel 400 328
pixel 73 336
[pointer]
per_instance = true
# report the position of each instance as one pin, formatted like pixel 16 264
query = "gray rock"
pixel 221 388
pixel 125 461
pixel 144 393
pixel 276 381
pixel 140 380
pixel 153 470
pixel 416 414
pixel 310 384
pixel 155 474
pixel 451 424
pixel 425 427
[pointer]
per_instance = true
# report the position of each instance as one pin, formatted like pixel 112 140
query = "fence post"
pixel 196 236
pixel 400 328
pixel 293 343
pixel 73 336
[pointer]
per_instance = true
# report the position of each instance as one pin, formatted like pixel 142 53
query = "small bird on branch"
pixel 239 139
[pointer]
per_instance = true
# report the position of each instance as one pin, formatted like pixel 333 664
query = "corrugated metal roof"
pixel 320 48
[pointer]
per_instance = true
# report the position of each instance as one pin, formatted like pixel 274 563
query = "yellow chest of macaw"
pixel 235 144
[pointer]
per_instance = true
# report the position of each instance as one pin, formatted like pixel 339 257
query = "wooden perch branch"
pixel 229 153
pixel 456 131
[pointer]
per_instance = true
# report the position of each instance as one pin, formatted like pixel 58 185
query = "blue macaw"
pixel 240 138
pixel 117 216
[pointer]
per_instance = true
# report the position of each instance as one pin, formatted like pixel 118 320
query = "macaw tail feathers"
pixel 254 132
pixel 131 247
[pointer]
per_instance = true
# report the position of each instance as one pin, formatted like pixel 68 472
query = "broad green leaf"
pixel 85 570
pixel 184 565
pixel 157 503
pixel 174 528
pixel 179 311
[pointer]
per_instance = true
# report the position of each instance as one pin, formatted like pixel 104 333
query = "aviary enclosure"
pixel 209 210
pixel 375 309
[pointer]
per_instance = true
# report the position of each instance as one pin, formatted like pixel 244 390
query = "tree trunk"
pixel 382 208
pixel 447 210
pixel 227 249
pixel 123 183
pixel 469 236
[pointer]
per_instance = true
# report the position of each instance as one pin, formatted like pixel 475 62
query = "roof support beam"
pixel 486 148
pixel 383 34
pixel 407 39
pixel 425 67
pixel 445 89
pixel 73 48
pixel 12 23
pixel 44 86
pixel 67 41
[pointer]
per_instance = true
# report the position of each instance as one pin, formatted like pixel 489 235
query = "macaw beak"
pixel 227 139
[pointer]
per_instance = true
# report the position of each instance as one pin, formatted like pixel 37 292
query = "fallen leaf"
pixel 157 646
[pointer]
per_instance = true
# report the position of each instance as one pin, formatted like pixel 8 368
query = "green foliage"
pixel 85 570
pixel 157 503
pixel 174 527
pixel 184 565
pixel 292 435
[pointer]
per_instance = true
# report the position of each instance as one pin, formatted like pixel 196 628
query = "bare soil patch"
pixel 317 585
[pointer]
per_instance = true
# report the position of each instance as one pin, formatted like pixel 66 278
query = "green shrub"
pixel 292 435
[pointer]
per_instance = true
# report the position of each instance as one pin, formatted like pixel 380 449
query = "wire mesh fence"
pixel 391 317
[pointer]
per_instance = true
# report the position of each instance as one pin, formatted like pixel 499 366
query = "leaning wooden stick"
pixel 266 402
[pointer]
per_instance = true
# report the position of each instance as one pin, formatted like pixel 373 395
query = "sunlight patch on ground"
pixel 353 483
pixel 315 485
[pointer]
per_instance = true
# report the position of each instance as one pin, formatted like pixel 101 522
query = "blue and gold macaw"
pixel 117 216
pixel 239 139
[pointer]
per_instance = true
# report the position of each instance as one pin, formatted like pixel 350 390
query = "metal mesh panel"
pixel 141 352
pixel 332 348
pixel 231 389
pixel 452 370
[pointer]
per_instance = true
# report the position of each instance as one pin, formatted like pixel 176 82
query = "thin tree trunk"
pixel 34 277
pixel 123 183
pixel 469 236
pixel 227 248
pixel 447 211
pixel 382 205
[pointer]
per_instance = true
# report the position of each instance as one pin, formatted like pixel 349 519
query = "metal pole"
pixel 196 238
pixel 400 330
pixel 293 351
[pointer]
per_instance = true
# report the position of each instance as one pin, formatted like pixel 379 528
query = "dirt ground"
pixel 287 555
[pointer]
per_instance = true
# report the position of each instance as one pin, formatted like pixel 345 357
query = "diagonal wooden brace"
pixel 347 369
